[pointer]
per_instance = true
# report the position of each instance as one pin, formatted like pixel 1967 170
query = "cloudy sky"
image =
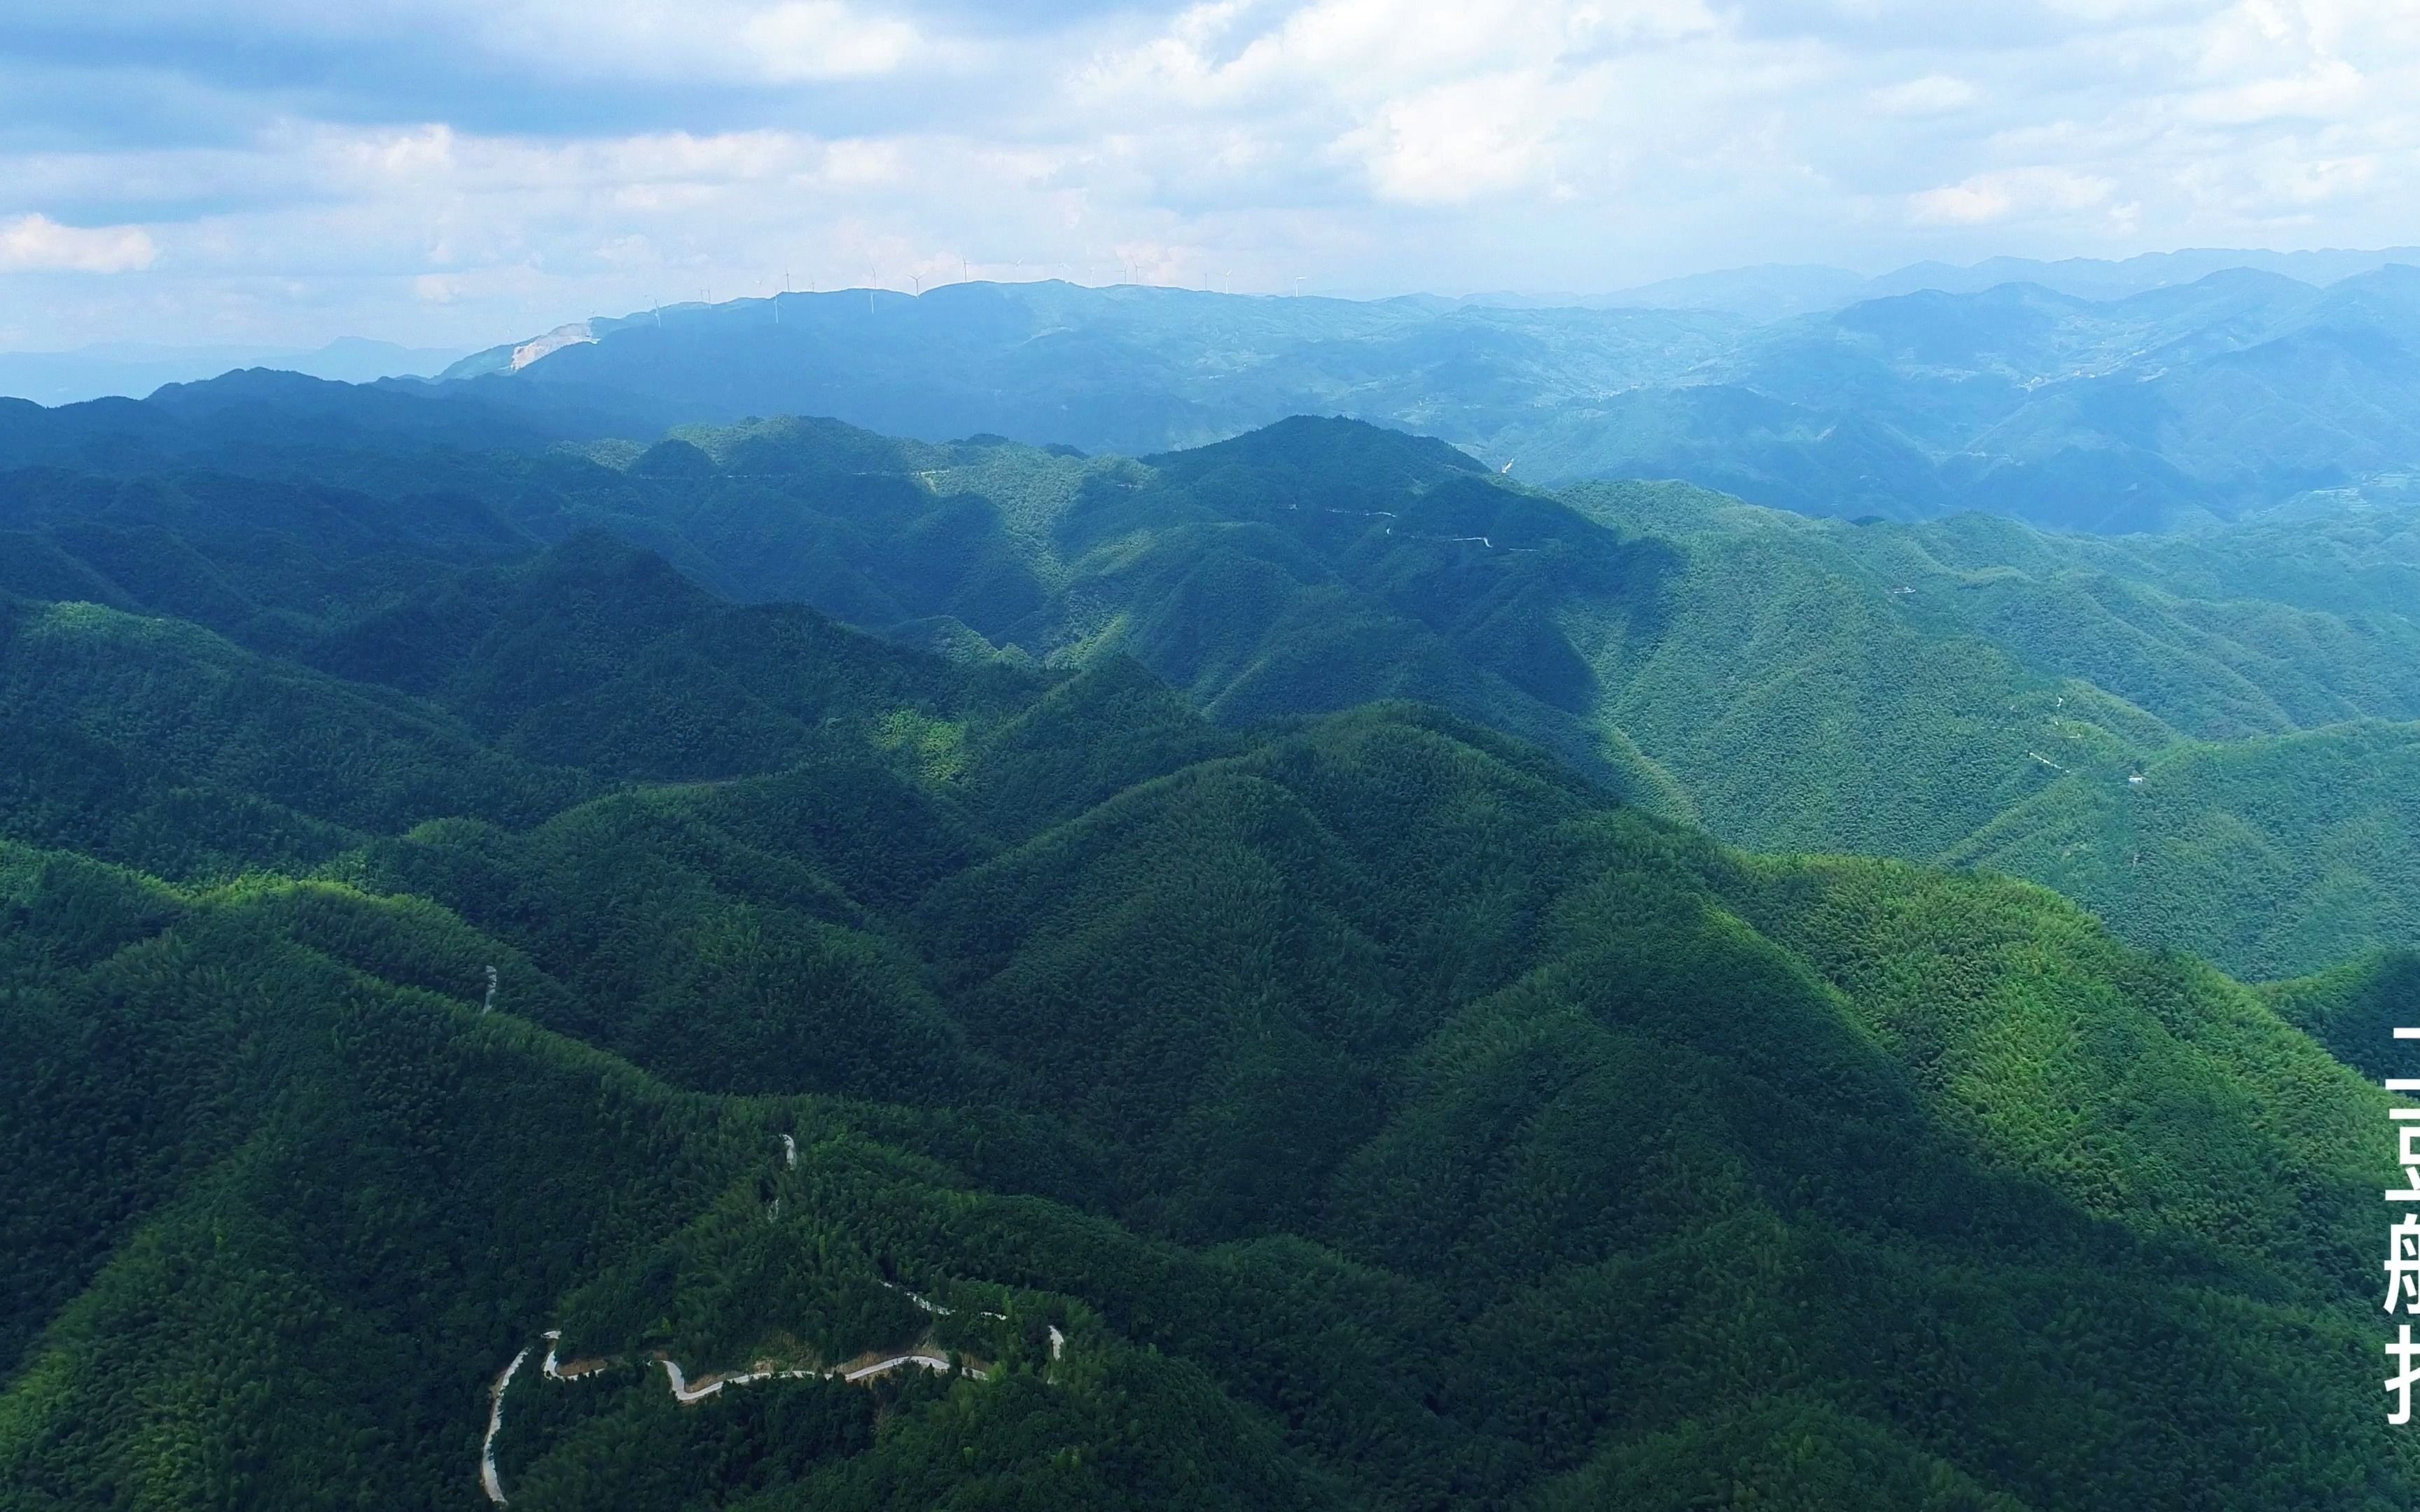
pixel 454 171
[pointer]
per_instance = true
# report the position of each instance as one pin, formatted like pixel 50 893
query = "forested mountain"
pixel 2313 838
pixel 517 981
pixel 2128 720
pixel 131 370
pixel 260 420
pixel 2206 739
pixel 2132 403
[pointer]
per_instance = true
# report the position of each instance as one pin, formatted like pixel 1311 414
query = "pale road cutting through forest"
pixel 688 1396
pixel 487 1478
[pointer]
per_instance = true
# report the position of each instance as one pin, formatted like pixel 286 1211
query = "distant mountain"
pixel 133 371
pixel 2094 278
pixel 1769 292
pixel 1130 370
pixel 1773 291
pixel 253 417
pixel 2178 405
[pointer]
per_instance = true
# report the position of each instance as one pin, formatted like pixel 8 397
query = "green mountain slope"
pixel 1363 1110
pixel 1956 690
pixel 2354 1009
pixel 1911 690
pixel 157 742
pixel 2314 839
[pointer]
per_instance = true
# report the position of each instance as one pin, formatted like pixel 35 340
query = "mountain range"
pixel 2204 738
pixel 2180 405
pixel 1771 291
pixel 557 1029
pixel 128 369
pixel 2165 391
pixel 550 962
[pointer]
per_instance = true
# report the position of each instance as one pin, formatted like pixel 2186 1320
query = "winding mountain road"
pixel 488 1477
pixel 688 1395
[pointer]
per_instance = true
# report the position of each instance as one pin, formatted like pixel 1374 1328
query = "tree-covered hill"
pixel 1359 1110
pixel 2355 1009
pixel 1969 689
pixel 255 416
pixel 2313 838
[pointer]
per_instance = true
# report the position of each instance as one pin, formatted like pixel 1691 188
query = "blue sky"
pixel 443 172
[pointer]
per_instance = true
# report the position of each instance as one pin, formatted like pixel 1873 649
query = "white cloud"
pixel 787 42
pixel 1458 142
pixel 37 243
pixel 1996 196
pixel 2328 89
pixel 822 39
pixel 658 147
pixel 1935 94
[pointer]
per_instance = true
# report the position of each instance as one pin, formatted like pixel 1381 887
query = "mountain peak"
pixel 1376 455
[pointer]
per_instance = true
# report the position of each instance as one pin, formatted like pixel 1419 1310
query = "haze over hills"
pixel 2100 278
pixel 2181 405
pixel 2166 391
pixel 1774 291
pixel 130 370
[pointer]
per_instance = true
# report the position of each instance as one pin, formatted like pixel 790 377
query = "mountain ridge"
pixel 2172 405
pixel 1794 683
pixel 1361 1110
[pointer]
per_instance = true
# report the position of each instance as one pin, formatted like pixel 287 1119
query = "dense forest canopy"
pixel 2203 737
pixel 1235 959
